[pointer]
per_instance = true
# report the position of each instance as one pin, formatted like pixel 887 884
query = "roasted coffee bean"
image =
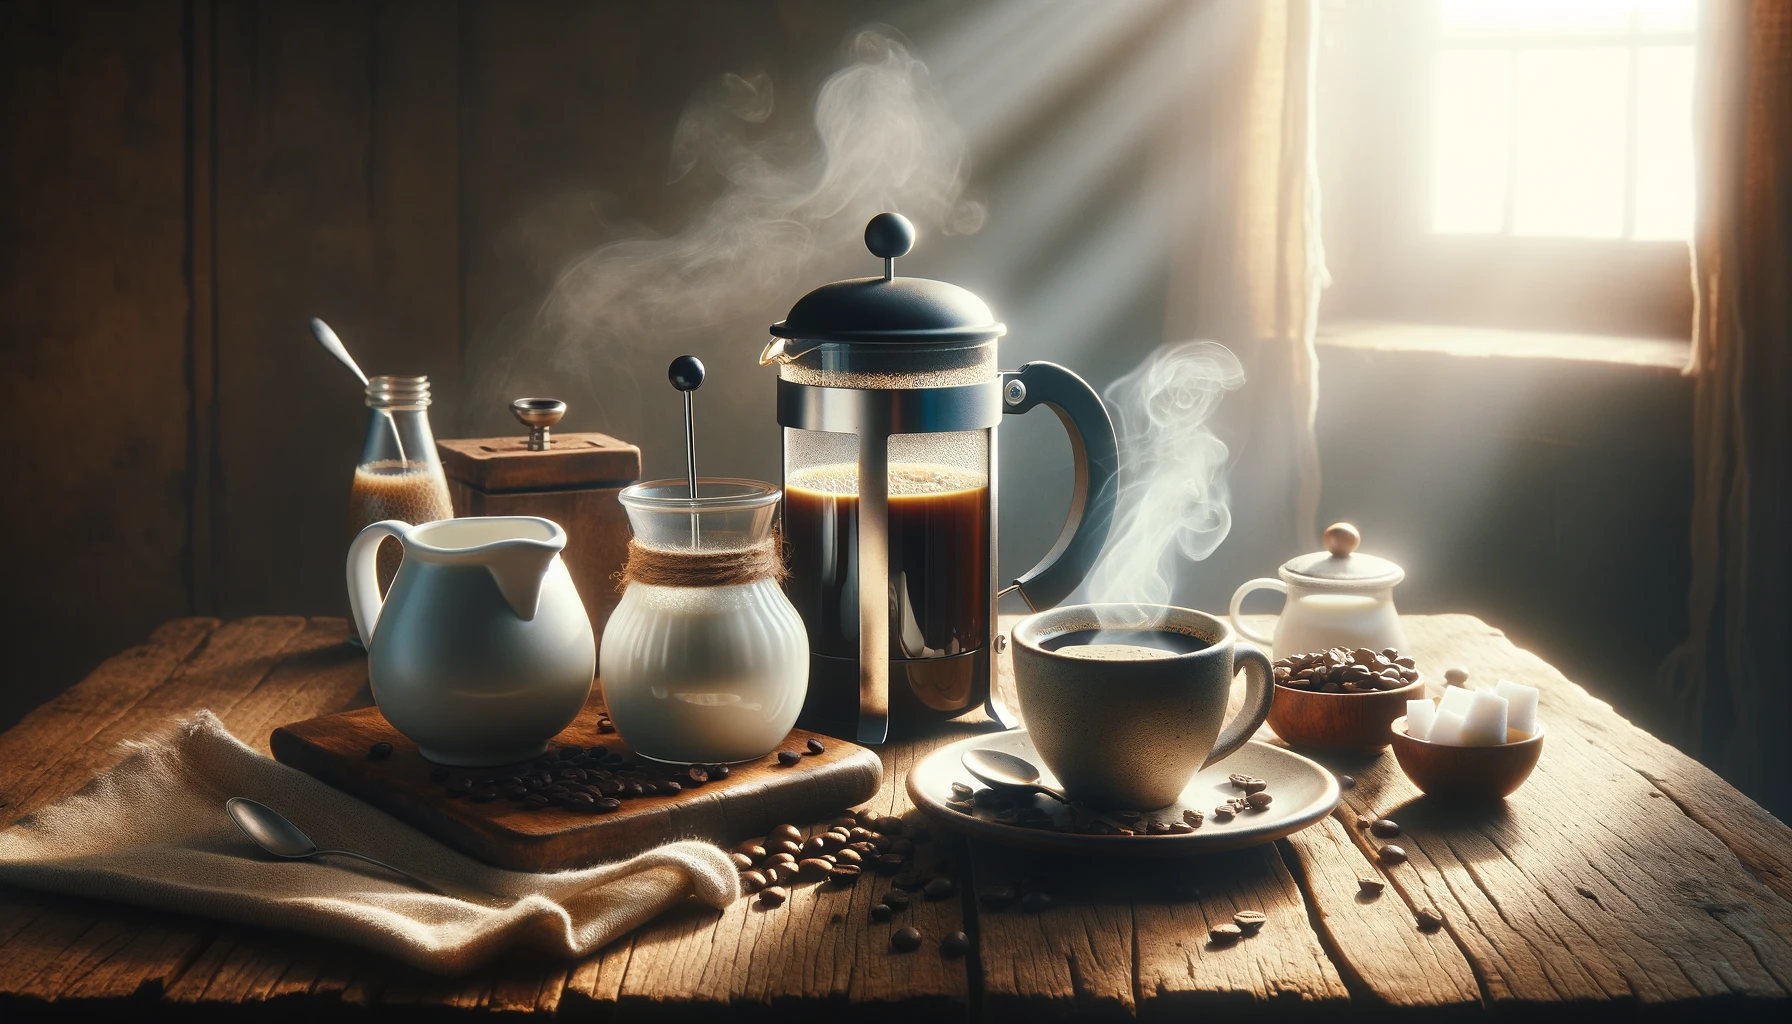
pixel 815 845
pixel 781 857
pixel 1429 919
pixel 605 805
pixel 751 849
pixel 741 861
pixel 955 945
pixel 789 833
pixel 960 791
pixel 775 873
pixel 888 825
pixel 1193 817
pixel 604 725
pixel 888 864
pixel 788 758
pixel 1250 921
pixel 786 846
pixel 1386 828
pixel 1035 902
pixel 844 874
pixel 909 881
pixel 752 881
pixel 380 751
pixel 848 856
pixel 937 888
pixel 906 940
pixel 860 834
pixel 1391 854
pixel 695 775
pixel 1455 677
pixel 1221 934
pixel 1258 801
pixel 1346 782
pixel 773 896
pixel 816 746
pixel 1370 886
pixel 896 899
pixel 1223 813
pixel 813 869
pixel 881 912
pixel 1179 828
pixel 996 897
pixel 670 789
pixel 536 800
pixel 1249 784
pixel 484 793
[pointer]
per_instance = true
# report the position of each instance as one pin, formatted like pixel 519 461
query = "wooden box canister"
pixel 574 482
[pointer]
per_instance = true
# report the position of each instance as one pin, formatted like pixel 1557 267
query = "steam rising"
pixel 881 141
pixel 1171 506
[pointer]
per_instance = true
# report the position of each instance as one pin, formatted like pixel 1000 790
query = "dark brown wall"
pixel 186 183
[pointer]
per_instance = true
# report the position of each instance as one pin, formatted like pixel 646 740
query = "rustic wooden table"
pixel 1624 877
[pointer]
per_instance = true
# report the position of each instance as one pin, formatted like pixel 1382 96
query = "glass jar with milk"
pixel 704 659
pixel 1336 598
pixel 400 475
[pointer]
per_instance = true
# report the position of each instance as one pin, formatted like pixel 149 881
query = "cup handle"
pixel 1257 695
pixel 363 575
pixel 1238 596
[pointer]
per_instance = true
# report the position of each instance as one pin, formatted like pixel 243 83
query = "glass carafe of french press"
pixel 889 395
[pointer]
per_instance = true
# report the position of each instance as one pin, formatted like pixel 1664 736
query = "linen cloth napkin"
pixel 153 831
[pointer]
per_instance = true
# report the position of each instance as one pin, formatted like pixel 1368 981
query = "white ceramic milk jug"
pixel 481 652
pixel 1336 598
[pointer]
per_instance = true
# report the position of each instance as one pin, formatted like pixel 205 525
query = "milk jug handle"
pixel 363 575
pixel 1238 596
pixel 1097 462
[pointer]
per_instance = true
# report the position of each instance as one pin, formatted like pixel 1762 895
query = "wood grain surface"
pixel 1623 879
pixel 756 796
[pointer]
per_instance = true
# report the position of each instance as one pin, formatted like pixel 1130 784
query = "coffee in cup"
pixel 1125 703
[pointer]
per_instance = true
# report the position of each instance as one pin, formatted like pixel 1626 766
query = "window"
pixel 1510 163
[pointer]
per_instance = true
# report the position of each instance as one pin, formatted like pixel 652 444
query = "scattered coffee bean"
pixel 1386 828
pixel 1222 934
pixel 484 793
pixel 695 775
pixel 996 897
pixel 937 888
pixel 816 746
pixel 816 844
pixel 741 861
pixel 751 849
pixel 955 945
pixel 845 874
pixel 1251 921
pixel 1429 919
pixel 1455 677
pixel 380 751
pixel 718 772
pixel 1035 902
pixel 1247 783
pixel 607 804
pixel 1258 801
pixel 960 791
pixel 788 757
pixel 1223 813
pixel 814 869
pixel 1179 828
pixel 781 857
pixel 848 856
pixel 909 881
pixel 1346 782
pixel 752 881
pixel 1193 817
pixel 773 896
pixel 1391 854
pixel 786 846
pixel 896 899
pixel 787 833
pixel 1370 886
pixel 905 940
pixel 536 800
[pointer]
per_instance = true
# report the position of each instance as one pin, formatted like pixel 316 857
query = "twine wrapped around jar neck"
pixel 661 567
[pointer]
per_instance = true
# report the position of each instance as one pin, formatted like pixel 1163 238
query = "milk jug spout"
pixel 519 567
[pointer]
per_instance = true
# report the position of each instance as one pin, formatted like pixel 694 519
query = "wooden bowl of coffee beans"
pixel 1342 700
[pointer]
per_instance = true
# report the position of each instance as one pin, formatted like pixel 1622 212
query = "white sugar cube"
pixel 1456 698
pixel 1419 714
pixel 1446 728
pixel 1522 715
pixel 1485 723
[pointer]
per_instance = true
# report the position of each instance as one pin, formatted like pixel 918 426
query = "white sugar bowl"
pixel 1336 598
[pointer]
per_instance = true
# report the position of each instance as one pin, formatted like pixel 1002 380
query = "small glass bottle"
pixel 400 476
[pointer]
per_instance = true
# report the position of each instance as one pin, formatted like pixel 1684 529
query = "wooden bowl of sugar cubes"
pixel 1472 744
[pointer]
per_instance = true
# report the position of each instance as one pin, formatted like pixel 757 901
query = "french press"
pixel 889 396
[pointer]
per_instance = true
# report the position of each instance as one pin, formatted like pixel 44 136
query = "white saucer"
pixel 1303 793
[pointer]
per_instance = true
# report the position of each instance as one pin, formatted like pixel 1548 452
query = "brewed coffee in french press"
pixel 889 395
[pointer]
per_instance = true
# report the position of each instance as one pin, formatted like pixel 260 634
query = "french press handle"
pixel 1097 462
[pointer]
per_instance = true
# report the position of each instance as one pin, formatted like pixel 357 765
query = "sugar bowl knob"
pixel 538 414
pixel 1341 539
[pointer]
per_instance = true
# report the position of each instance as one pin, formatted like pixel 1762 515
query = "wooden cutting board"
pixel 756 795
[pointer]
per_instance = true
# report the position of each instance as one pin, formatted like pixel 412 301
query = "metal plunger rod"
pixel 686 374
pixel 690 445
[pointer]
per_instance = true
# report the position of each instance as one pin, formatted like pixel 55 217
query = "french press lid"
pixel 887 309
pixel 1339 565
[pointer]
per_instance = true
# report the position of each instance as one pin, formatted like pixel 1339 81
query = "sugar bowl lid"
pixel 889 309
pixel 1340 566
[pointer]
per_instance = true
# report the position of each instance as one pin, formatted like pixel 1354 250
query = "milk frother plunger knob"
pixel 889 235
pixel 686 373
pixel 1341 539
pixel 538 414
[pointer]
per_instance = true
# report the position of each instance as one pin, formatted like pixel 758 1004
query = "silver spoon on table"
pixel 275 833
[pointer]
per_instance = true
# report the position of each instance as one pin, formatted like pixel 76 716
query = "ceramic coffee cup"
pixel 1132 732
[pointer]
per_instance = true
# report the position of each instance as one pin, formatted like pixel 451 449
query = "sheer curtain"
pixel 1250 265
pixel 1732 680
